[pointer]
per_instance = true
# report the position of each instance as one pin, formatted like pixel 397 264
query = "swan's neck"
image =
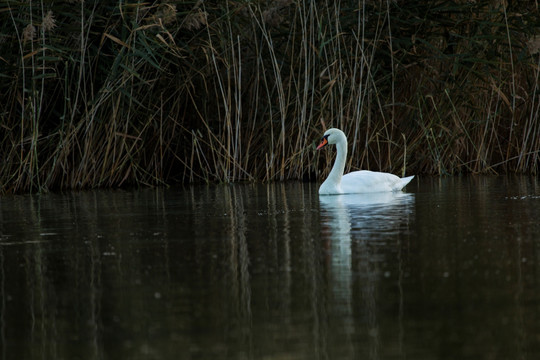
pixel 339 166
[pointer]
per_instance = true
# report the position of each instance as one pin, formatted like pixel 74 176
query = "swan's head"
pixel 332 136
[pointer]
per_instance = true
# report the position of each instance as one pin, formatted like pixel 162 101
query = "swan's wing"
pixel 366 181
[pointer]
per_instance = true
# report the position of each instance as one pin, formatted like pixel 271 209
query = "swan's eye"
pixel 324 142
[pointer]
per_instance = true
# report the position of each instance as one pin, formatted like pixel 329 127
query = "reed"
pixel 221 91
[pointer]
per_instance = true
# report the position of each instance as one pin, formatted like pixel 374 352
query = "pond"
pixel 447 269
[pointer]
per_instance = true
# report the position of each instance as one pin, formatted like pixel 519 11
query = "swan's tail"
pixel 404 181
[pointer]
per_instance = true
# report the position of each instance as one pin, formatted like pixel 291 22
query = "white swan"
pixel 363 181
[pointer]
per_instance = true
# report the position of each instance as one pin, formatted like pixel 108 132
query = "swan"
pixel 363 181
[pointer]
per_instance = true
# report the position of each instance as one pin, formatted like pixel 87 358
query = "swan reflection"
pixel 366 212
pixel 363 233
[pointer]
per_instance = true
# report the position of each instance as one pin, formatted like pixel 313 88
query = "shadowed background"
pixel 100 94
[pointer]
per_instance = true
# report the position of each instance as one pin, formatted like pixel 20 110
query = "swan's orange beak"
pixel 324 142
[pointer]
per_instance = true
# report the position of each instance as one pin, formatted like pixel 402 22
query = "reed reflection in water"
pixel 272 271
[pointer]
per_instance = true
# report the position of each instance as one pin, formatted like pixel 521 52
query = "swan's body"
pixel 363 181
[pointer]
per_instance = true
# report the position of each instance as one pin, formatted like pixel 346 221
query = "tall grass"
pixel 100 94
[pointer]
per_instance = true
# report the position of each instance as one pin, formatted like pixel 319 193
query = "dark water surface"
pixel 449 269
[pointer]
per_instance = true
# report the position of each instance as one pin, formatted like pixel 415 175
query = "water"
pixel 449 269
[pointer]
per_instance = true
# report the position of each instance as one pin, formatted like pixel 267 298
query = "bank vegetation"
pixel 116 93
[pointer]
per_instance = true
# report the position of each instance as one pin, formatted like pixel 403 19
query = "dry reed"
pixel 183 91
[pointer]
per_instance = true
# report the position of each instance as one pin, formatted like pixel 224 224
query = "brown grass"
pixel 177 91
